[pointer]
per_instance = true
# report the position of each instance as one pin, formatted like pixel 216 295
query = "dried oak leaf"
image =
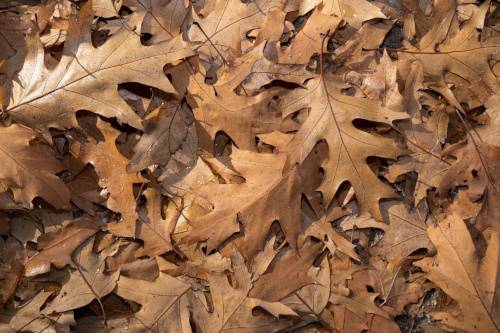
pixel 323 230
pixel 169 133
pixel 313 297
pixel 468 279
pixel 111 165
pixel 478 168
pixel 232 308
pixel 87 282
pixel 406 232
pixel 87 77
pixel 241 117
pixel 28 317
pixel 106 8
pixel 57 247
pixel 424 139
pixel 164 20
pixel 354 12
pixel 266 195
pixel 156 231
pixel 29 170
pixel 253 71
pixel 288 267
pixel 331 119
pixel 226 23
pixel 463 54
pixel 308 40
pixel 164 302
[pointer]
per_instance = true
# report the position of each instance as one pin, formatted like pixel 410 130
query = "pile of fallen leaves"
pixel 249 166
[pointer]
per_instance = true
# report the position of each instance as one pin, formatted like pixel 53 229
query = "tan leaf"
pixel 355 12
pixel 111 165
pixel 157 230
pixel 463 54
pixel 58 246
pixel 164 20
pixel 29 170
pixel 169 133
pixel 232 306
pixel 87 77
pixel 465 277
pixel 406 232
pixel 163 302
pixel 240 117
pixel 87 281
pixel 308 40
pixel 106 8
pixel 260 200
pixel 287 267
pixel 331 119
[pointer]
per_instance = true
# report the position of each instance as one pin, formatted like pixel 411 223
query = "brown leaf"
pixel 169 127
pixel 110 165
pixel 44 98
pixel 29 170
pixel 163 302
pixel 406 232
pixel 286 267
pixel 331 119
pixel 157 230
pixel 163 20
pixel 260 201
pixel 232 306
pixel 57 247
pixel 87 281
pixel 465 277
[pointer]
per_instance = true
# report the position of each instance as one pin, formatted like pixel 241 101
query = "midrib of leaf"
pixel 459 258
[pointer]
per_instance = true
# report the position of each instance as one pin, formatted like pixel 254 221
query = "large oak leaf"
pixel 331 119
pixel 87 77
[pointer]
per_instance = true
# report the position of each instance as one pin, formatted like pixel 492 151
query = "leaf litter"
pixel 249 166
